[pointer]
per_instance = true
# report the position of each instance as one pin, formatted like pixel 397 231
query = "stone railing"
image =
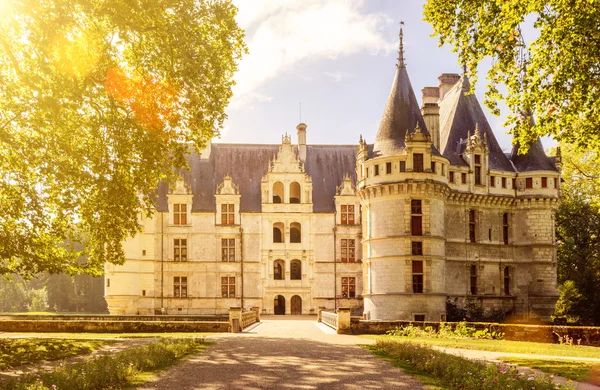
pixel 340 320
pixel 248 318
pixel 239 320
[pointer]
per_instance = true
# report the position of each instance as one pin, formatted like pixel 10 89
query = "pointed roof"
pixel 535 159
pixel 460 114
pixel 401 112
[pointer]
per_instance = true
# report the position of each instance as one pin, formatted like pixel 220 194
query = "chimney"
pixel 447 81
pixel 431 113
pixel 302 140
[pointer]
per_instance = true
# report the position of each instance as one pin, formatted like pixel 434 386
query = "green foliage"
pixel 99 101
pixel 577 370
pixel 566 307
pixel 460 373
pixel 111 372
pixel 471 311
pixel 16 352
pixel 459 330
pixel 553 75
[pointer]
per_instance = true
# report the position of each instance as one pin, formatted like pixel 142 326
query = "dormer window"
pixel 278 192
pixel 227 214
pixel 294 192
pixel 417 162
pixel 478 169
pixel 179 214
pixel 347 214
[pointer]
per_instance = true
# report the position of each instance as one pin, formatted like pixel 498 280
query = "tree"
pixel 569 300
pixel 556 75
pixel 99 101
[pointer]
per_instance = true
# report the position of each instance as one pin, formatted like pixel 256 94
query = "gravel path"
pixel 288 354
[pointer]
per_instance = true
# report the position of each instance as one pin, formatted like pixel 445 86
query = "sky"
pixel 337 59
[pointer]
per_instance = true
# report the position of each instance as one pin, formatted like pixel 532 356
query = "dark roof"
pixel 401 115
pixel 534 160
pixel 247 164
pixel 459 113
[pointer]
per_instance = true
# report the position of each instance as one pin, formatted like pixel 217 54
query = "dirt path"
pixel 290 354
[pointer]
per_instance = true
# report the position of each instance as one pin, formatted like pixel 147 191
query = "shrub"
pixel 110 371
pixel 460 373
pixel 446 331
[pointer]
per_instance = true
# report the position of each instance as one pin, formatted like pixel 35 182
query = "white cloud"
pixel 282 33
pixel 338 76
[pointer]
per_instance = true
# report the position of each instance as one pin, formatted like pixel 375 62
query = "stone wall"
pixel 90 326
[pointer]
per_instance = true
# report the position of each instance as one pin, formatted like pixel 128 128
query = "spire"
pixel 535 159
pixel 401 48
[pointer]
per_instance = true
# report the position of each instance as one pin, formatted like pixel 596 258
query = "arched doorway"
pixel 279 305
pixel 296 305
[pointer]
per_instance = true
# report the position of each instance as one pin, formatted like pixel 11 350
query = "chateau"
pixel 432 210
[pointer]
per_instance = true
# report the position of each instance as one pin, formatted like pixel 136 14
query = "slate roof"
pixel 534 160
pixel 248 163
pixel 401 115
pixel 459 113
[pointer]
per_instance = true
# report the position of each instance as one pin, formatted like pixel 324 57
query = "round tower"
pixel 402 185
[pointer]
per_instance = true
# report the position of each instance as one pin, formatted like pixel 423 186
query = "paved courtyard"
pixel 285 353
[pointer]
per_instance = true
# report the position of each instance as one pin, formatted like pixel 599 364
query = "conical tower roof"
pixel 535 159
pixel 401 114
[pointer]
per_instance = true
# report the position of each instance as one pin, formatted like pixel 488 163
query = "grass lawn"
pixel 16 352
pixel 501 346
pixel 96 336
pixel 580 371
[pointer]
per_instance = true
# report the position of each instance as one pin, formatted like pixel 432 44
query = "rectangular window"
pixel 492 181
pixel 544 182
pixel 473 280
pixel 417 276
pixel 227 249
pixel 443 170
pixel 348 250
pixel 529 182
pixel 505 228
pixel 433 166
pixel 477 169
pixel 416 220
pixel 347 214
pixel 472 237
pixel 108 282
pixel 417 162
pixel 419 318
pixel 463 177
pixel 388 168
pixel 503 182
pixel 506 281
pixel 556 182
pixel 180 249
pixel 402 166
pixel 451 177
pixel 417 248
pixel 180 286
pixel 514 183
pixel 348 287
pixel 227 214
pixel 376 170
pixel 179 214
pixel 228 287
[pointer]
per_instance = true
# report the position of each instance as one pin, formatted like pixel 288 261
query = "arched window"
pixel 278 192
pixel 278 270
pixel 294 192
pixel 296 270
pixel 295 232
pixel 278 232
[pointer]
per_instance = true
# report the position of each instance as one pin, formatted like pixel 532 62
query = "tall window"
pixel 503 182
pixel 180 286
pixel 473 273
pixel 278 232
pixel 295 232
pixel 514 183
pixel 544 182
pixel 478 169
pixel 228 287
pixel 505 228
pixel 180 249
pixel 376 170
pixel 388 168
pixel 417 276
pixel 506 281
pixel 278 192
pixel 278 269
pixel 529 182
pixel 228 249
pixel 417 162
pixel 348 250
pixel 295 192
pixel 433 166
pixel 472 237
pixel 463 178
pixel 402 166
pixel 347 214
pixel 416 219
pixel 180 214
pixel 417 248
pixel 556 182
pixel 348 287
pixel 295 270
pixel 227 214
pixel 492 181
pixel 451 177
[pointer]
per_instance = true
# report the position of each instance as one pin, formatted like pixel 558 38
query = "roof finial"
pixel 401 63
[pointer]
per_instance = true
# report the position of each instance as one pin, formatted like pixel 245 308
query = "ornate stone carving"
pixel 228 187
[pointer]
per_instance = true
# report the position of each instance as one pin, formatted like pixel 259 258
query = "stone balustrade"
pixel 330 319
pixel 239 320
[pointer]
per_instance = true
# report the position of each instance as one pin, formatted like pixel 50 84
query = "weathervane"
pixel 401 63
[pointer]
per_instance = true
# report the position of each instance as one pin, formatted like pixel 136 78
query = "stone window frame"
pixel 296 269
pixel 348 250
pixel 348 284
pixel 180 286
pixel 492 181
pixel 433 166
pixel 416 217
pixel 418 162
pixel 477 170
pixel 276 192
pixel 419 315
pixel 507 277
pixel 180 249
pixel 279 263
pixel 294 199
pixel 451 178
pixel 418 276
pixel 281 227
pixel 505 228
pixel 463 178
pixel 388 168
pixel 227 213
pixel 417 248
pixel 503 182
pixel 473 276
pixel 528 182
pixel 472 226
pixel 228 249
pixel 295 238
pixel 227 286
pixel 376 170
pixel 347 216
pixel 544 182
pixel 180 214
pixel 402 166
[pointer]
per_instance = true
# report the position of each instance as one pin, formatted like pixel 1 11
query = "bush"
pixel 446 331
pixel 107 372
pixel 460 373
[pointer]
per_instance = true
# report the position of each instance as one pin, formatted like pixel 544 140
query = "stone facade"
pixel 432 210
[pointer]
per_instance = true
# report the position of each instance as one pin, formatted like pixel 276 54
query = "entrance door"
pixel 296 305
pixel 279 305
